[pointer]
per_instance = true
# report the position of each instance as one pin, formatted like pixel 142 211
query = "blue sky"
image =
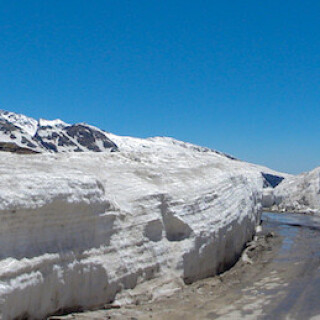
pixel 242 77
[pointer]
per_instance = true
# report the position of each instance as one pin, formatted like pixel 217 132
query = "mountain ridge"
pixel 23 134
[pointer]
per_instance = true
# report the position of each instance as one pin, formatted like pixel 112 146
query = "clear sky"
pixel 242 77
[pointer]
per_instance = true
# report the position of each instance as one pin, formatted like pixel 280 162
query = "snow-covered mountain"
pixel 26 124
pixel 22 134
pixel 83 229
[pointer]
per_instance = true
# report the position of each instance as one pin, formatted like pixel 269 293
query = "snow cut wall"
pixel 77 229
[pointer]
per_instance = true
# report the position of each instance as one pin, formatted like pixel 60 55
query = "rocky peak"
pixel 19 133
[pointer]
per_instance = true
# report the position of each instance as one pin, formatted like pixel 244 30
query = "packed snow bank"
pixel 296 194
pixel 77 229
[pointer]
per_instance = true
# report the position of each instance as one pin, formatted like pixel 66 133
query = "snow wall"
pixel 76 230
pixel 300 194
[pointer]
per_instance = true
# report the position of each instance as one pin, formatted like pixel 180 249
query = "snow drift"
pixel 299 194
pixel 78 229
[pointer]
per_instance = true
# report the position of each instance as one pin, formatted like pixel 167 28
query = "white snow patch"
pixel 53 123
pixel 27 124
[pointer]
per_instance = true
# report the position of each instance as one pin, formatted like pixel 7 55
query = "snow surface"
pixel 82 229
pixel 299 193
pixel 52 123
pixel 27 124
pixel 156 144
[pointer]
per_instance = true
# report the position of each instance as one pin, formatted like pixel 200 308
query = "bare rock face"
pixel 12 147
pixel 74 138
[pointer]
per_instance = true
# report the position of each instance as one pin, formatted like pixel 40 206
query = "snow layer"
pixel 27 124
pixel 78 229
pixel 299 193
pixel 52 123
pixel 157 144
